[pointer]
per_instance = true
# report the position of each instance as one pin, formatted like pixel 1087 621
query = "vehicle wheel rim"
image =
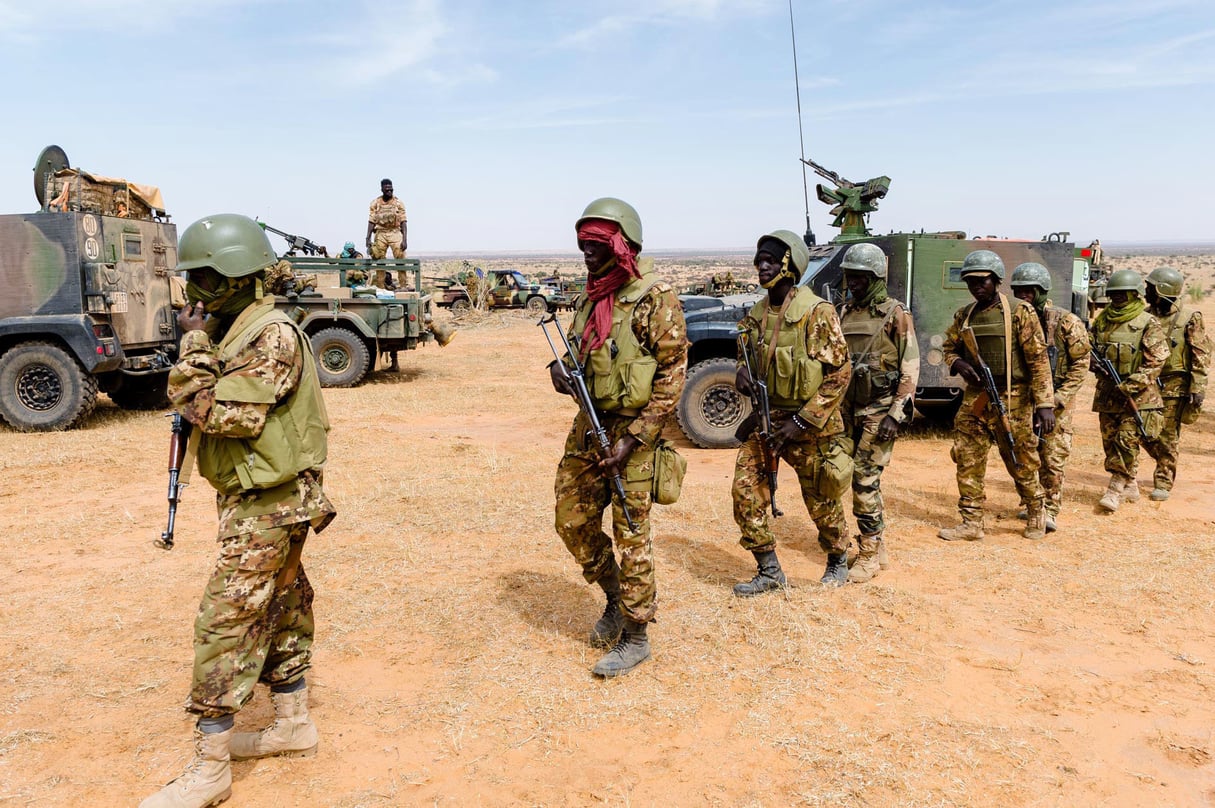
pixel 335 360
pixel 39 388
pixel 721 406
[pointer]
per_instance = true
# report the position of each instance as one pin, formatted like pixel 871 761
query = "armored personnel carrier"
pixel 87 284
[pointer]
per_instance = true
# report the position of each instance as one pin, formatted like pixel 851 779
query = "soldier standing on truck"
pixel 1067 349
pixel 885 371
pixel 1183 379
pixel 803 358
pixel 630 334
pixel 1012 349
pixel 387 230
pixel 247 382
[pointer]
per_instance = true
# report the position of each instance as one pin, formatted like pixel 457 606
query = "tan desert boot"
pixel 292 734
pixel 207 779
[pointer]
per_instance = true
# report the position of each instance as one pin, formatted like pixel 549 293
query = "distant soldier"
pixel 387 230
pixel 630 334
pixel 349 251
pixel 1183 379
pixel 803 357
pixel 885 370
pixel 1011 345
pixel 1127 334
pixel 1067 348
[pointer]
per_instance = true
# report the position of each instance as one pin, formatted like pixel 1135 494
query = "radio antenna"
pixel 809 236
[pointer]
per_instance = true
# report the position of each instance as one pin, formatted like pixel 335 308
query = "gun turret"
pixel 294 243
pixel 850 201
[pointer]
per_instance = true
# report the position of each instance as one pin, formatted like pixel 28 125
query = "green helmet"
pixel 615 210
pixel 1125 280
pixel 1031 273
pixel 1167 281
pixel 231 244
pixel 865 258
pixel 983 261
pixel 799 256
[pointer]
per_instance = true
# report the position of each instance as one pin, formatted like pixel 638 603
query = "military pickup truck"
pixel 86 286
pixel 503 289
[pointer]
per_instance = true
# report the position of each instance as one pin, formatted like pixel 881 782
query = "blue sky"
pixel 499 121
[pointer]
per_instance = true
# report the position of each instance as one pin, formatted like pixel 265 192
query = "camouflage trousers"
pixel 974 435
pixel 386 240
pixel 870 457
pixel 247 630
pixel 1120 439
pixel 1165 448
pixel 1053 451
pixel 824 472
pixel 583 493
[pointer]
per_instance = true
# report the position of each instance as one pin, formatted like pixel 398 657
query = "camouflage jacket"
pixel 1070 338
pixel 1196 355
pixel 1140 385
pixel 900 330
pixel 274 357
pixel 386 216
pixel 1027 338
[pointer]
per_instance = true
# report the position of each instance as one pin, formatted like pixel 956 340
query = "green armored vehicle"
pixel 923 274
pixel 87 286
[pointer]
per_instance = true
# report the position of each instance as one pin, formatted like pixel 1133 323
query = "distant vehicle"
pixel 503 289
pixel 88 286
pixel 924 275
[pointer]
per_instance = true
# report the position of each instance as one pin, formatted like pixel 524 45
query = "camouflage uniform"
pixel 387 218
pixel 1031 389
pixel 1147 352
pixel 583 493
pixel 819 455
pixel 1067 340
pixel 247 629
pixel 1184 374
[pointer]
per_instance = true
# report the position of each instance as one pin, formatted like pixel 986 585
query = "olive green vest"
pixel 294 438
pixel 1179 355
pixel 793 377
pixel 1056 351
pixel 1123 344
pixel 875 357
pixel 620 372
pixel 988 326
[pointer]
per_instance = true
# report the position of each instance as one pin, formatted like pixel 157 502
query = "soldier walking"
pixel 629 333
pixel 247 382
pixel 1127 334
pixel 1011 345
pixel 885 370
pixel 1067 349
pixel 1183 378
pixel 803 357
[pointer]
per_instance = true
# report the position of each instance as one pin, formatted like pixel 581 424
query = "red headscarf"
pixel 602 289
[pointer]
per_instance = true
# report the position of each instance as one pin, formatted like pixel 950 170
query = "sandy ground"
pixel 451 666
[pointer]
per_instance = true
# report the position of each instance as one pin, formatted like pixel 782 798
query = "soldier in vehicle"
pixel 387 230
pixel 1011 345
pixel 349 251
pixel 1067 349
pixel 1127 334
pixel 885 370
pixel 629 333
pixel 247 381
pixel 1183 379
pixel 803 356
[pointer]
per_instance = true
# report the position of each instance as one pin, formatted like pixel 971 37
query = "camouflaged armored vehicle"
pixel 87 283
pixel 503 289
pixel 924 275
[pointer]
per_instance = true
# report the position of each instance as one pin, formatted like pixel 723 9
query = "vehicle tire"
pixel 342 358
pixel 461 306
pixel 142 392
pixel 710 408
pixel 43 388
pixel 536 306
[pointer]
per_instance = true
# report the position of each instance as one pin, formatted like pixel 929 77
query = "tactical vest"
pixel 1179 354
pixel 294 437
pixel 793 377
pixel 1123 344
pixel 620 372
pixel 875 357
pixel 988 326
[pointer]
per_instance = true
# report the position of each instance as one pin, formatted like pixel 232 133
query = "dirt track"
pixel 451 668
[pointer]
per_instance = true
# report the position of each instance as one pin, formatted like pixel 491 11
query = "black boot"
pixel 630 650
pixel 770 576
pixel 608 627
pixel 836 573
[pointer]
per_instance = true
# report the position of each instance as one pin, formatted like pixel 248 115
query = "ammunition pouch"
pixel 796 377
pixel 869 384
pixel 669 470
pixel 620 385
pixel 834 475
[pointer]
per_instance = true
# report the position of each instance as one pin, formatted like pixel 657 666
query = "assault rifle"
pixel 576 378
pixel 308 246
pixel 762 410
pixel 1106 368
pixel 179 438
pixel 991 393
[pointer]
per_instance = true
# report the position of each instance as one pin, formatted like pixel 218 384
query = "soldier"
pixel 1183 379
pixel 1134 341
pixel 803 357
pixel 1011 344
pixel 386 223
pixel 348 249
pixel 1067 349
pixel 246 379
pixel 629 333
pixel 885 370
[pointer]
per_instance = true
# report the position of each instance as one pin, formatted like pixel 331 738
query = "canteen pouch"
pixel 669 469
